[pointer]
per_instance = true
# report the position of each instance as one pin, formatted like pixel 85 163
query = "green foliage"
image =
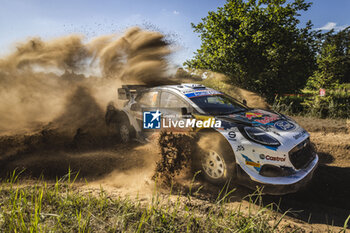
pixel 258 44
pixel 345 86
pixel 336 104
pixel 290 104
pixel 333 63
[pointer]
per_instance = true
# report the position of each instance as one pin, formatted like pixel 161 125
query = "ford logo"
pixel 284 125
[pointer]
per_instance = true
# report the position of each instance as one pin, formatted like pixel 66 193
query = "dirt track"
pixel 77 138
pixel 326 199
pixel 121 168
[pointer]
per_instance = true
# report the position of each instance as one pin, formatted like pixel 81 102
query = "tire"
pixel 118 124
pixel 216 161
pixel 125 131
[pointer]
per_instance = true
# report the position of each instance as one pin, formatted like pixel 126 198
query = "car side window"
pixel 169 100
pixel 148 99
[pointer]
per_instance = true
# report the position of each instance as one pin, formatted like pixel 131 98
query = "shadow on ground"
pixel 91 164
pixel 325 200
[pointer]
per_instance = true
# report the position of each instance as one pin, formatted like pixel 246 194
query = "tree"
pixel 333 61
pixel 333 68
pixel 258 44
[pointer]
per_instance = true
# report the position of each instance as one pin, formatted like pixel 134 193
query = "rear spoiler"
pixel 126 92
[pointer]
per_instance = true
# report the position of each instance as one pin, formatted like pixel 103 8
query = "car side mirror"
pixel 244 102
pixel 185 112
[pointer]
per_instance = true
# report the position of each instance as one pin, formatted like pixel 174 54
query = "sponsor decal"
pixel 240 148
pixel 231 134
pixel 272 158
pixel 152 120
pixel 267 119
pixel 186 91
pixel 250 162
pixel 227 125
pixel 284 125
pixel 277 133
pixel 271 147
pixel 250 115
pixel 299 135
pixel 261 118
pixel 202 93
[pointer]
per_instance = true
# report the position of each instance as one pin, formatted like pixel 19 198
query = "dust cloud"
pixel 68 82
pixel 136 176
pixel 53 96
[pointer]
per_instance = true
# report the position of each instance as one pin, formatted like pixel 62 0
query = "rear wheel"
pixel 215 158
pixel 118 124
pixel 125 130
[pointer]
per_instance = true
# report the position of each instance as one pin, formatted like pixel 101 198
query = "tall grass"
pixel 61 207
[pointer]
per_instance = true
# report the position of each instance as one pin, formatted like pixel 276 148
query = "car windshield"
pixel 218 104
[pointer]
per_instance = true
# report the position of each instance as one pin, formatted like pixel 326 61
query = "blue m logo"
pixel 151 120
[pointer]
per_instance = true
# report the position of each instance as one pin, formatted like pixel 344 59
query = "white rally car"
pixel 254 147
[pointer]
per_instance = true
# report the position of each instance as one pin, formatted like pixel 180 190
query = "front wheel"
pixel 215 158
pixel 214 165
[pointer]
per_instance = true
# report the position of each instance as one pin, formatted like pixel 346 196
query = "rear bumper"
pixel 282 187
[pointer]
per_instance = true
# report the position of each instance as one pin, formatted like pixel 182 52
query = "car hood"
pixel 266 120
pixel 277 125
pixel 252 117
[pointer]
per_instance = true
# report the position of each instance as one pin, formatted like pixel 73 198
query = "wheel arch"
pixel 114 115
pixel 124 116
pixel 225 149
pixel 222 137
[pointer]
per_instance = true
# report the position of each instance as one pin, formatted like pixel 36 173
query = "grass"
pixel 60 207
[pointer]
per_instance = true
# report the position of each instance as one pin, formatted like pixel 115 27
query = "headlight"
pixel 261 136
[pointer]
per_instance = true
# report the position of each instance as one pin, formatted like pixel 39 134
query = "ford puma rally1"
pixel 252 146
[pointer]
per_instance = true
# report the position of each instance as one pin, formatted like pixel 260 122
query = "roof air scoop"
pixel 193 85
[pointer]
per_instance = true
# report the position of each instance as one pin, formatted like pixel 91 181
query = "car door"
pixel 171 104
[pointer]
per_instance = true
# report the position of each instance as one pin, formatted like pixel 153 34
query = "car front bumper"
pixel 279 185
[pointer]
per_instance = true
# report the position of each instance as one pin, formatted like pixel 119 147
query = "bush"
pixel 336 104
pixel 290 104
